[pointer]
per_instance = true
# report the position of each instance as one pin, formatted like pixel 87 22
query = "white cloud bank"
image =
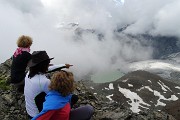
pixel 43 20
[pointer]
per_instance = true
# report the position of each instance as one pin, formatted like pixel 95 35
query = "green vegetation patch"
pixel 3 84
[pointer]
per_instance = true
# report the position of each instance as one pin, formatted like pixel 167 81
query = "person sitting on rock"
pixel 57 103
pixel 36 82
pixel 20 60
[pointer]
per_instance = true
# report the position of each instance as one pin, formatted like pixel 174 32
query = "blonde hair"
pixel 24 41
pixel 63 82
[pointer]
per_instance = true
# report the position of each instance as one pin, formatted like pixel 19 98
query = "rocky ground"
pixel 12 105
pixel 173 108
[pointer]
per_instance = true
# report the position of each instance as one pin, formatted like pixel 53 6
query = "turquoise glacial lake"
pixel 107 76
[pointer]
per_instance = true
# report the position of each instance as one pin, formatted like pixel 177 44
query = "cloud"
pixel 28 6
pixel 48 23
pixel 167 20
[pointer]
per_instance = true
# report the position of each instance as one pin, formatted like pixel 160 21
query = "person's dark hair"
pixel 39 68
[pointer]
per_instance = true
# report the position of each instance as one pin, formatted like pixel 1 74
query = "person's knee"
pixel 82 113
pixel 90 110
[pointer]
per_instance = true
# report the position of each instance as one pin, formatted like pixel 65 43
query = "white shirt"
pixel 52 67
pixel 37 84
pixel 34 86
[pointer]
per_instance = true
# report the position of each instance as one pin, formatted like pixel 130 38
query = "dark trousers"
pixel 19 86
pixel 82 113
pixel 30 117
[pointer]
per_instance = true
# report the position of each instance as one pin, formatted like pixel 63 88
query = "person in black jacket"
pixel 20 60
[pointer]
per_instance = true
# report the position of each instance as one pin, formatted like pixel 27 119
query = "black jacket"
pixel 18 67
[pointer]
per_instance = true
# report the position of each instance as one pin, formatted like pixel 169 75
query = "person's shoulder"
pixel 26 53
pixel 43 76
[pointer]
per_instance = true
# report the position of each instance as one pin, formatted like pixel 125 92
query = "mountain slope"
pixel 140 90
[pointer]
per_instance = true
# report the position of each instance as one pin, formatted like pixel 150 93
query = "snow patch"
pixel 149 81
pixel 147 87
pixel 130 85
pixel 136 101
pixel 91 87
pixel 109 97
pixel 106 88
pixel 162 87
pixel 165 86
pixel 111 86
pixel 161 97
pixel 125 80
pixel 177 87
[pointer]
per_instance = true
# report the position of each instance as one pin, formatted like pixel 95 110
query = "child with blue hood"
pixel 57 101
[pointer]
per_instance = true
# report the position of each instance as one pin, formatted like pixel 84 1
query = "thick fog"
pixel 69 30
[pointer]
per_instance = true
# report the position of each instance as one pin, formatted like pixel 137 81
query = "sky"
pixel 48 22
